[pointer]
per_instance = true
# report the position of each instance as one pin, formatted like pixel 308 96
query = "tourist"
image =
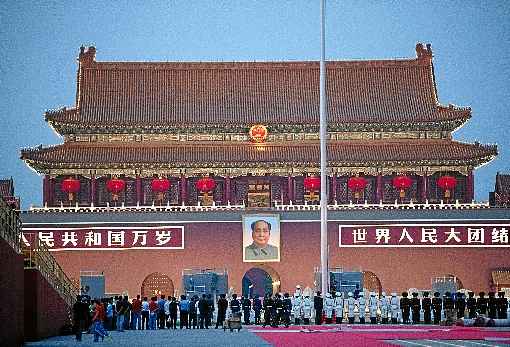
pixel 210 310
pixel 184 306
pixel 167 312
pixel 136 313
pixel 153 313
pixel 172 308
pixel 98 319
pixel 222 310
pixel 161 312
pixel 193 322
pixel 80 312
pixel 127 312
pixel 145 313
pixel 110 308
pixel 203 312
pixel 119 307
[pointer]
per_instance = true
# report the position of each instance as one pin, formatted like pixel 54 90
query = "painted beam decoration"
pixel 106 237
pixel 424 235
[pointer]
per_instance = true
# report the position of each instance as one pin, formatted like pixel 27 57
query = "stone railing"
pixel 37 256
pixel 10 225
pixel 381 206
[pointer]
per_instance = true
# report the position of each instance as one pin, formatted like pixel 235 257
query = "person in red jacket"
pixel 98 319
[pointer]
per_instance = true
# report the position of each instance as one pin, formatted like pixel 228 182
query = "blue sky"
pixel 40 40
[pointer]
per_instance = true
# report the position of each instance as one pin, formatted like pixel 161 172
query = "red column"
pixel 184 194
pixel 93 186
pixel 51 191
pixel 332 193
pixel 46 183
pixel 290 189
pixel 226 190
pixel 470 187
pixel 424 187
pixel 379 192
pixel 139 190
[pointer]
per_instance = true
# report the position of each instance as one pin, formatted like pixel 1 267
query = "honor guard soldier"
pixel 257 307
pixel 278 305
pixel 318 305
pixel 339 308
pixel 415 308
pixel 372 304
pixel 426 305
pixel 246 310
pixel 351 303
pixel 384 304
pixel 437 305
pixel 297 306
pixel 492 305
pixel 405 306
pixel 307 309
pixel 395 308
pixel 298 291
pixel 328 308
pixel 287 309
pixel 481 304
pixel 460 305
pixel 362 305
pixel 471 305
pixel 449 308
pixel 268 310
pixel 502 306
pixel 235 305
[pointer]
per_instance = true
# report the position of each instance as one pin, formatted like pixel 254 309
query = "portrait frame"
pixel 250 256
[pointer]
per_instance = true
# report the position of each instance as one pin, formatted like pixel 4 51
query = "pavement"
pixel 294 336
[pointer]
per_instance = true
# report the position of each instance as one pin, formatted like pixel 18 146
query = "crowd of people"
pixel 199 312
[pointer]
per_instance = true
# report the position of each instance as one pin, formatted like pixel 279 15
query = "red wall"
pixel 11 285
pixel 45 310
pixel 218 245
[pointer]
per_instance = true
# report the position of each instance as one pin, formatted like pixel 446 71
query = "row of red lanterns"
pixel 402 182
pixel 115 186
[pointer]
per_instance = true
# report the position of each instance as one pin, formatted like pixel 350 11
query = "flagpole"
pixel 323 134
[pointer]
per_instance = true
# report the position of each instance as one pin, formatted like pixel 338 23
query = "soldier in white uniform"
pixel 351 303
pixel 373 303
pixel 395 308
pixel 362 307
pixel 329 303
pixel 307 309
pixel 339 307
pixel 384 304
pixel 297 307
pixel 298 291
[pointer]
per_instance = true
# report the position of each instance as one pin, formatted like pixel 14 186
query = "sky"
pixel 40 40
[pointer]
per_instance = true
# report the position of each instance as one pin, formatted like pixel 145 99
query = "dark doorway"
pixel 258 282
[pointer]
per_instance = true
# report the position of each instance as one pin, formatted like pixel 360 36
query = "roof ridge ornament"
pixel 87 56
pixel 422 52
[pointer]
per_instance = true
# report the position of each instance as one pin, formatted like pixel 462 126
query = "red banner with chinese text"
pixel 107 238
pixel 424 235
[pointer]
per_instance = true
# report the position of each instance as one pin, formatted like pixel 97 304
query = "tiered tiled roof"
pixel 6 187
pixel 376 93
pixel 341 153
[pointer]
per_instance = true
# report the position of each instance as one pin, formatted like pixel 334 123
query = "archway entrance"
pixel 371 282
pixel 156 284
pixel 259 281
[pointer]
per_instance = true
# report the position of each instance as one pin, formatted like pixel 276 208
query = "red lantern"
pixel 160 186
pixel 357 185
pixel 402 183
pixel 312 184
pixel 205 184
pixel 71 186
pixel 447 183
pixel 115 186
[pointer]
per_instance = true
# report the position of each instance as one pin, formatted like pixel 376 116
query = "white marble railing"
pixel 276 206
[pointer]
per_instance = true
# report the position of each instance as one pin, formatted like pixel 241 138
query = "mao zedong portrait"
pixel 260 249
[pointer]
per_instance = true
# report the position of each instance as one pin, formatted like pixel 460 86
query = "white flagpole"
pixel 323 134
